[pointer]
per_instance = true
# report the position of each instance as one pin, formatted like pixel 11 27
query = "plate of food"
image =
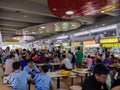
pixel 64 72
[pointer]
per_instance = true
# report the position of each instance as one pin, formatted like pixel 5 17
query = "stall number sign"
pixel 89 42
pixel 75 44
pixel 109 45
pixel 11 40
pixel 109 40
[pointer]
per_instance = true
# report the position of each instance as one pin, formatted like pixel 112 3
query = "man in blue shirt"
pixel 42 80
pixel 23 62
pixel 31 67
pixel 18 79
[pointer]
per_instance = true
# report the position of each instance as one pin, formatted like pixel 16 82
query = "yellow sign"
pixel 56 45
pixel 110 45
pixel 11 40
pixel 109 40
pixel 75 43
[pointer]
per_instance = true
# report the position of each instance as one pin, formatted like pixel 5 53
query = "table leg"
pixel 29 86
pixel 71 81
pixel 29 82
pixel 86 75
pixel 81 80
pixel 58 82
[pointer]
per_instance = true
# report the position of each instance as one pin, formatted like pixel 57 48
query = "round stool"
pixel 75 87
pixel 72 77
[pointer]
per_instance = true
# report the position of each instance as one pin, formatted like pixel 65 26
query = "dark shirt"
pixel 58 52
pixel 23 63
pixel 92 84
pixel 116 83
pixel 98 61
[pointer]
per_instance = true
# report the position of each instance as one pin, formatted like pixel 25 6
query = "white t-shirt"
pixel 8 66
pixel 16 57
pixel 67 63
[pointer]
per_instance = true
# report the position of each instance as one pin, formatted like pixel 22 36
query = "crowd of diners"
pixel 21 65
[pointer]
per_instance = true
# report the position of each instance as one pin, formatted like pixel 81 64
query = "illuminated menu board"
pixel 11 40
pixel 87 42
pixel 109 40
pixel 56 45
pixel 109 45
pixel 75 43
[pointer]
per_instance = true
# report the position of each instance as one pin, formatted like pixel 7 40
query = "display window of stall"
pixel 57 45
pixel 74 46
pixel 112 44
pixel 65 46
pixel 90 47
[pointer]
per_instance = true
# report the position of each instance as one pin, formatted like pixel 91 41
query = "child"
pixel 18 79
pixel 42 80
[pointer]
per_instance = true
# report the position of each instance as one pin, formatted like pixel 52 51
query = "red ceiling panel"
pixel 81 7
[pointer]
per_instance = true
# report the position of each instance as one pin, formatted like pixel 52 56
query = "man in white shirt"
pixel 6 54
pixel 8 65
pixel 66 63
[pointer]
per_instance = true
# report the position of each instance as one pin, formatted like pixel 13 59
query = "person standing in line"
pixel 89 61
pixel 79 56
pixel 6 55
pixel 18 79
pixel 59 52
pixel 69 55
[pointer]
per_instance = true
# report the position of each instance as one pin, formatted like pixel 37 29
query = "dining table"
pixel 53 64
pixel 81 72
pixel 58 76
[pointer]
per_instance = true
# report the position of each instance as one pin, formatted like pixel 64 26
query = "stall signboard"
pixel 65 44
pixel 109 40
pixel 75 43
pixel 11 40
pixel 110 45
pixel 57 45
pixel 88 42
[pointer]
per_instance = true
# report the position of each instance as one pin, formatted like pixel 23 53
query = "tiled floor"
pixel 64 84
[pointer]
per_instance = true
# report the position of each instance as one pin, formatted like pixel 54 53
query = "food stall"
pixel 65 46
pixel 74 46
pixel 57 45
pixel 112 44
pixel 14 44
pixel 44 47
pixel 90 47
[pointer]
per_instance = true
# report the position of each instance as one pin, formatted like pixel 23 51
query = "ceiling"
pixel 19 15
